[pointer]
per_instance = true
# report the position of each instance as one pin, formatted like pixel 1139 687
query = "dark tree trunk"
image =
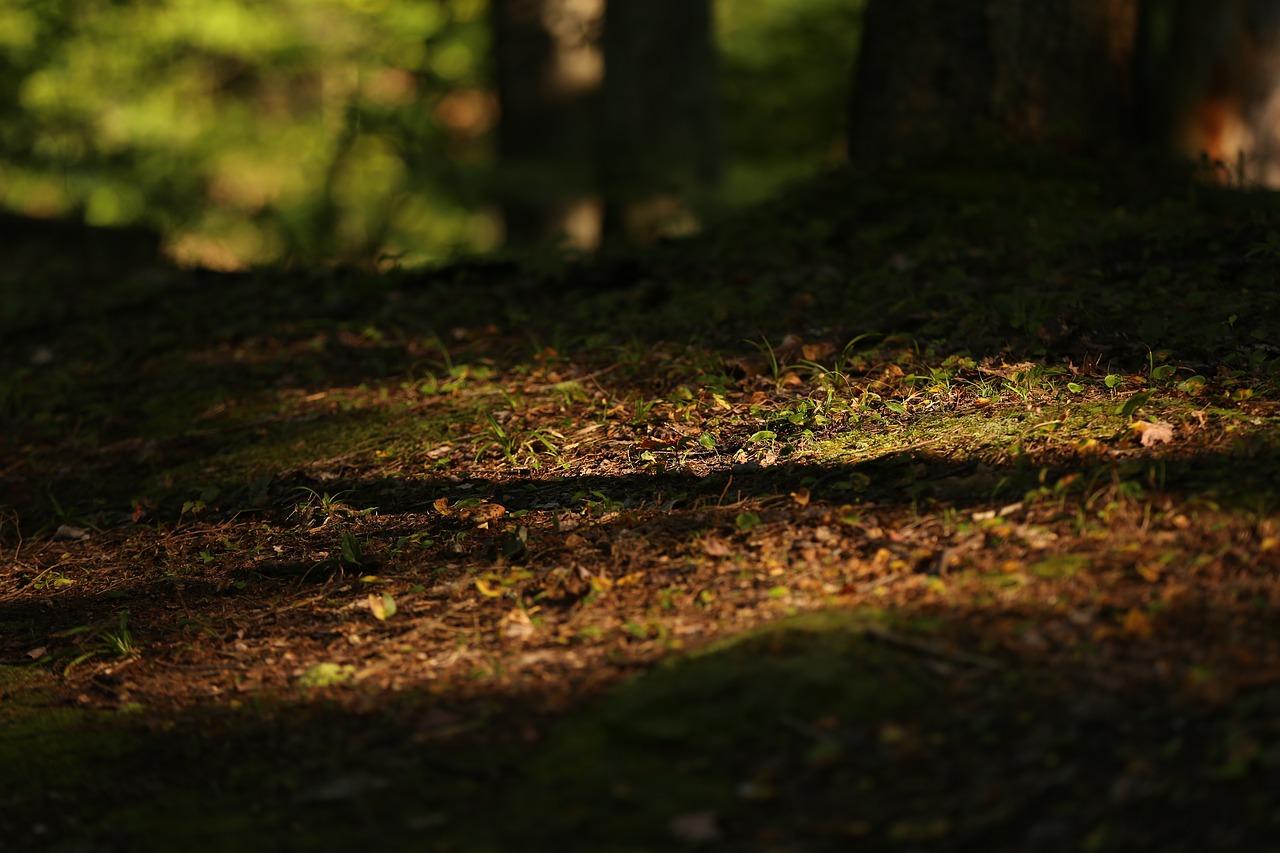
pixel 934 75
pixel 1219 61
pixel 659 128
pixel 548 71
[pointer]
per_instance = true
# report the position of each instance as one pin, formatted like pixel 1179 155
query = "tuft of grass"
pixel 111 639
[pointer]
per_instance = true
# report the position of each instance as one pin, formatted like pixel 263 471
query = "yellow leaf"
pixel 441 505
pixel 382 606
pixel 485 589
pixel 1150 572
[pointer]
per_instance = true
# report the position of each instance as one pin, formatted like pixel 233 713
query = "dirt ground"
pixel 923 513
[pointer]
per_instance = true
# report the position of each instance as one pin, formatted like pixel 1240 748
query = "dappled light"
pixel 958 529
pixel 927 505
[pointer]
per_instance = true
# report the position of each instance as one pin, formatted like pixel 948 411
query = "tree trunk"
pixel 936 74
pixel 1221 100
pixel 548 70
pixel 659 128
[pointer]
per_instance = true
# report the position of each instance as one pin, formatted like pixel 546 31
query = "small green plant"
pixel 196 624
pixel 775 366
pixel 65 516
pixel 51 579
pixel 194 507
pixel 327 506
pixel 1269 250
pixel 352 550
pixel 1159 372
pixel 597 503
pixel 643 408
pixel 517 448
pixel 111 639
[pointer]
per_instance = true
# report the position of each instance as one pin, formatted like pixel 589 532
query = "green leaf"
pixel 762 435
pixel 1137 401
pixel 707 440
pixel 747 520
pixel 1192 385
pixel 1075 387
pixel 352 550
pixel 1113 379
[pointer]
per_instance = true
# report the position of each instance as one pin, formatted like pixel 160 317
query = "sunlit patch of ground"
pixel 923 513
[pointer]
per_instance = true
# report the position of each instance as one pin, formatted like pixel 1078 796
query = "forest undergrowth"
pixel 923 512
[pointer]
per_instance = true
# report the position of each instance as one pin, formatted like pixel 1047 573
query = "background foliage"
pixel 257 132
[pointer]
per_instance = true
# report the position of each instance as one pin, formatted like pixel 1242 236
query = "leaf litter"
pixel 935 568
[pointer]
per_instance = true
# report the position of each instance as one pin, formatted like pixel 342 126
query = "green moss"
pixel 47 742
pixel 684 737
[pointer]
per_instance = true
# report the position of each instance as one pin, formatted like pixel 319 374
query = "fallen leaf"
pixel 1154 433
pixel 696 827
pixel 817 352
pixel 383 606
pixel 714 546
pixel 68 531
pixel 326 675
pixel 482 513
pixel 1137 623
pixel 518 625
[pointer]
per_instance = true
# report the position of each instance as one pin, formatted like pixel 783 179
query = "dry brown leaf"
pixel 714 546
pixel 817 352
pixel 1137 624
pixel 696 827
pixel 481 514
pixel 1156 433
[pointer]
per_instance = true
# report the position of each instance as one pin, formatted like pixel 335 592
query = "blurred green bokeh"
pixel 251 132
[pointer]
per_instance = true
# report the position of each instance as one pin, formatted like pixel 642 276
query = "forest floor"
pixel 932 512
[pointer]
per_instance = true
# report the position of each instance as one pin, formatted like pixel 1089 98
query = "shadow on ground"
pixel 818 733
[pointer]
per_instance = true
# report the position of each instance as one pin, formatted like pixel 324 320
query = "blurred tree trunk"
pixel 1196 78
pixel 1219 61
pixel 660 146
pixel 548 71
pixel 935 74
